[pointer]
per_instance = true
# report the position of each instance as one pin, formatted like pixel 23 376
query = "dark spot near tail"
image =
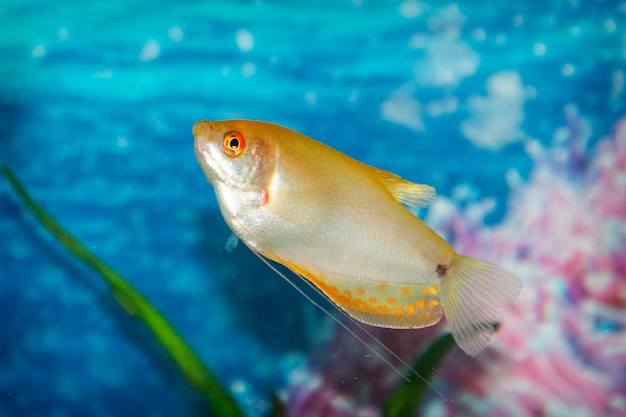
pixel 496 326
pixel 441 270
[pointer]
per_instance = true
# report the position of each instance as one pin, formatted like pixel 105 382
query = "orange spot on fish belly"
pixel 382 309
pixel 381 287
pixel 432 290
pixel 405 291
pixel 360 291
pixel 433 303
pixel 421 304
pixel 391 300
pixel 410 308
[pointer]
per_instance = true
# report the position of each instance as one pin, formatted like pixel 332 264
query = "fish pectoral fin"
pixel 406 192
pixel 289 204
pixel 231 243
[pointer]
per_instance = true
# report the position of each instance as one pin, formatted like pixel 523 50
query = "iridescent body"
pixel 342 225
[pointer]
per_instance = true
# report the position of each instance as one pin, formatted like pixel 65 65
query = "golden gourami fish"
pixel 342 225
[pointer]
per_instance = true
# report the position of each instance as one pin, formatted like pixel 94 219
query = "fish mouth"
pixel 210 156
pixel 202 128
pixel 203 148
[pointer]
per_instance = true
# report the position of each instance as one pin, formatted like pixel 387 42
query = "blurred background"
pixel 512 110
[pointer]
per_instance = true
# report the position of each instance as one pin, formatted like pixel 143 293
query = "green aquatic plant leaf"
pixel 219 399
pixel 405 400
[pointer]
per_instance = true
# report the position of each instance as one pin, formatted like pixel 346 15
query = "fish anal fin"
pixel 381 303
pixel 406 192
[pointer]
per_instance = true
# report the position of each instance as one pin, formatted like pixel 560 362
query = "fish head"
pixel 235 153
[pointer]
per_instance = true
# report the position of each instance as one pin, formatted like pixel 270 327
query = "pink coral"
pixel 562 348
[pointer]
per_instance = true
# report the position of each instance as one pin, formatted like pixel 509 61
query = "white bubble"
pixel 245 40
pixel 411 9
pixel 175 33
pixel 617 84
pixel 479 34
pixel 617 402
pixel 39 51
pixel 418 41
pixel 63 34
pixel 248 69
pixel 447 105
pixel 570 110
pixel 104 74
pixel 514 178
pixel 444 76
pixel 507 84
pixel 609 25
pixel 447 62
pixel 568 70
pixel 150 51
pixel 238 386
pixel 310 97
pixel 533 148
pixel 539 49
pixel 402 109
pixel 495 120
pixel 122 142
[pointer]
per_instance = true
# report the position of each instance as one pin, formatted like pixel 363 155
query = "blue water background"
pixel 97 100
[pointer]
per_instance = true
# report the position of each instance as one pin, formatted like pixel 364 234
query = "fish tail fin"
pixel 472 292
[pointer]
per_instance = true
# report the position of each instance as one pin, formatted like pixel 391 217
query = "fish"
pixel 348 228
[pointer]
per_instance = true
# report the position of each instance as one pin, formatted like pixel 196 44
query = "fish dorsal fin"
pixel 406 192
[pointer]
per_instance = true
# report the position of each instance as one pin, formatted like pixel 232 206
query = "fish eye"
pixel 234 144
